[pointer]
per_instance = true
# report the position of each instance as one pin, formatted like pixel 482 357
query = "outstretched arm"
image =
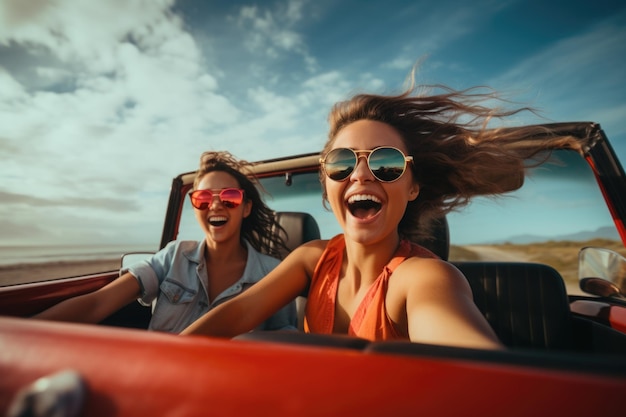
pixel 441 310
pixel 255 305
pixel 95 306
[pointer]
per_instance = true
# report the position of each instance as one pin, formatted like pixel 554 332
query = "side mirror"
pixel 599 286
pixel 602 272
pixel 131 258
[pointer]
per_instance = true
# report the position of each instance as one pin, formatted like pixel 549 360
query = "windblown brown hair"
pixel 455 155
pixel 260 228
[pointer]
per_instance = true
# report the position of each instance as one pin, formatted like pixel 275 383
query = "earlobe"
pixel 247 208
pixel 414 192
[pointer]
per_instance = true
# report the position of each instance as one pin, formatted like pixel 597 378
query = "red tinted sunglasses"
pixel 229 197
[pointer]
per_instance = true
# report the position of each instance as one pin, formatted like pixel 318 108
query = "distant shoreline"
pixel 563 256
pixel 42 271
pixel 11 255
pixel 35 272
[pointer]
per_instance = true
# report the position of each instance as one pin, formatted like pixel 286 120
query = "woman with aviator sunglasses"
pixel 188 278
pixel 392 166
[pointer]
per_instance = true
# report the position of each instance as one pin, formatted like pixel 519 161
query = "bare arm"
pixel 441 310
pixel 96 306
pixel 249 309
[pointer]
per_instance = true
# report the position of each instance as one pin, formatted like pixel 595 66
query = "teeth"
pixel 363 197
pixel 217 219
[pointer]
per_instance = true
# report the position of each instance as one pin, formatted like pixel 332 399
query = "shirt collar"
pixel 253 266
pixel 254 262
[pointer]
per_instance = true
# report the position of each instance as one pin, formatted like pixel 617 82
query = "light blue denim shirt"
pixel 177 276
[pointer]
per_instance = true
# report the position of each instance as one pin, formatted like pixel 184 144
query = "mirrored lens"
pixel 387 164
pixel 201 199
pixel 339 164
pixel 230 198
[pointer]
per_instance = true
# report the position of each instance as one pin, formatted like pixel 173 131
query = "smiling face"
pixel 369 210
pixel 219 222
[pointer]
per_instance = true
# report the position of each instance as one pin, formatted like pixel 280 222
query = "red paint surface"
pixel 134 373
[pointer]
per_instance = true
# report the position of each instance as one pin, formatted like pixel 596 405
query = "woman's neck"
pixel 365 262
pixel 230 251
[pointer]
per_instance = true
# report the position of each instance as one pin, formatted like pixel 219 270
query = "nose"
pixel 361 170
pixel 216 200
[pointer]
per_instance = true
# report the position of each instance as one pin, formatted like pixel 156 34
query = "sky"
pixel 102 103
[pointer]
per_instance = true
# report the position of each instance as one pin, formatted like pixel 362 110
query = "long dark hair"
pixel 455 155
pixel 260 228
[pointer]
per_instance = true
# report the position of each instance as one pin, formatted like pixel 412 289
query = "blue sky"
pixel 102 103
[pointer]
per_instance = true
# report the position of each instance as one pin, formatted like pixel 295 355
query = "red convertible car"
pixel 556 301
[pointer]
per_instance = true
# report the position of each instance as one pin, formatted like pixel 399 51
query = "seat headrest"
pixel 300 228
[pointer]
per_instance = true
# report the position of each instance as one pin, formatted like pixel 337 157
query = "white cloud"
pixel 274 32
pixel 80 31
pixel 115 98
pixel 124 103
pixel 53 76
pixel 11 90
pixel 137 96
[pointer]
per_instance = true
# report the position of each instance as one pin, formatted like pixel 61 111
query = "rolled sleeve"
pixel 150 272
pixel 148 281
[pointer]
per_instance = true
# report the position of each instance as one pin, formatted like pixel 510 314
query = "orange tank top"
pixel 370 320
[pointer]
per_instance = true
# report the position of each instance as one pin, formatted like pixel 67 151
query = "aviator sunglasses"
pixel 229 197
pixel 386 163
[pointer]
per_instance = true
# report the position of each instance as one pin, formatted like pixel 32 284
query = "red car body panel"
pixel 28 299
pixel 135 373
pixel 611 315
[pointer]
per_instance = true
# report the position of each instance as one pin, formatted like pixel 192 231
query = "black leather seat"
pixel 299 227
pixel 525 303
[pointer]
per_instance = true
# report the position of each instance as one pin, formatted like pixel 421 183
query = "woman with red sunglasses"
pixel 188 278
pixel 391 166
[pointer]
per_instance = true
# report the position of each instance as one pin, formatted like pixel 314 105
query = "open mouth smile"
pixel 364 206
pixel 217 221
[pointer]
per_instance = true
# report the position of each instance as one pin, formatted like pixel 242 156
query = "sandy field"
pixel 20 273
pixel 561 255
pixel 16 274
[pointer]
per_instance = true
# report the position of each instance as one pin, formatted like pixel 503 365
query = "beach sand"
pixel 23 273
pixel 34 272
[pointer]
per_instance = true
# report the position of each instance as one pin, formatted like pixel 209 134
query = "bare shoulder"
pixel 319 244
pixel 307 254
pixel 428 275
pixel 311 248
pixel 440 307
